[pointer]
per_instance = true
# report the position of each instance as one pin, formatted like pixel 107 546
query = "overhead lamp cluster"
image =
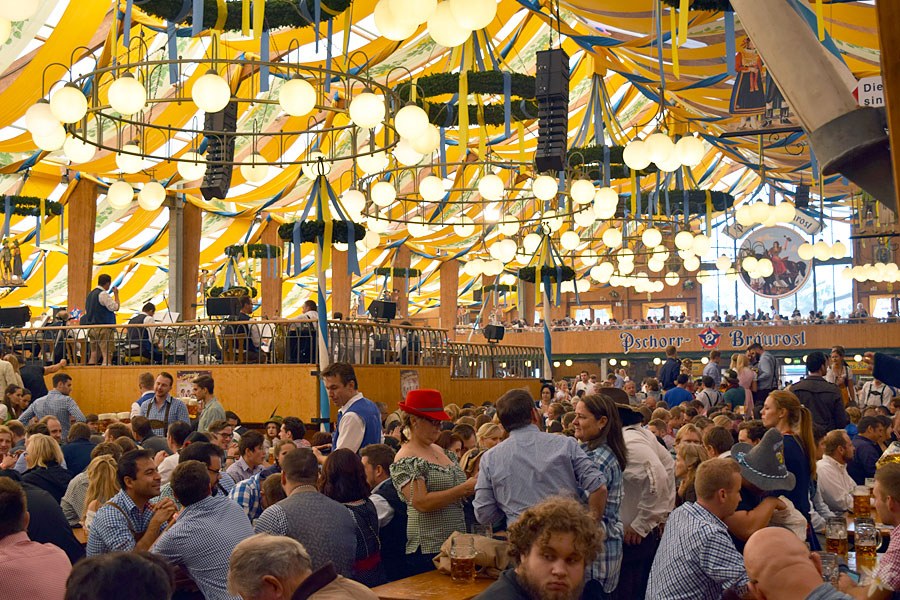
pixel 766 214
pixel 879 272
pixel 821 250
pixel 667 155
pixel 450 23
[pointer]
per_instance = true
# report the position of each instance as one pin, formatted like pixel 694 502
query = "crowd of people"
pixel 681 490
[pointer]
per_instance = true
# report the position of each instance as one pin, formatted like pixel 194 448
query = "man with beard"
pixel 552 543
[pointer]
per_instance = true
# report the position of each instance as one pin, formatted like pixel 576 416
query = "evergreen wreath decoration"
pixel 30 206
pixel 235 291
pixel 397 272
pixel 696 202
pixel 313 230
pixel 501 288
pixel 523 106
pixel 528 273
pixel 253 250
pixel 279 13
pixel 711 5
pixel 593 156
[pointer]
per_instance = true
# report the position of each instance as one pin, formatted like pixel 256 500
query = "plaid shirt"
pixel 178 412
pixel 110 530
pixel 696 559
pixel 54 403
pixel 226 484
pixel 889 565
pixel 72 502
pixel 247 494
pixel 606 568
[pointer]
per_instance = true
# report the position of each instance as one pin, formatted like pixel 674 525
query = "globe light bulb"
pixel 606 201
pixel 585 217
pixel 659 147
pixel 723 263
pixel 371 164
pixel 40 120
pixel 68 104
pixel 192 166
pixel 651 237
pixel 391 24
pixel 473 14
pixel 805 251
pixel 765 267
pixel 760 211
pixel 377 225
pixel 612 238
pixel 750 263
pixel 411 121
pixel 531 242
pixel 211 93
pixel 474 267
pixel 414 12
pixel 297 97
pixel 493 267
pixel 151 196
pixel 127 95
pixel 684 240
pixel 636 156
pixel 491 187
pixel 821 250
pixel 127 161
pixel 431 189
pixel 255 170
pixel 507 250
pixel 354 201
pixel 120 195
pixel 785 212
pixel 52 142
pixel 569 240
pixel 78 151
pixel 405 154
pixel 545 187
pixel 689 151
pixel 672 280
pixel 428 142
pixel 366 110
pixel 588 260
pixel 371 240
pixel 508 227
pixel 444 29
pixel 838 250
pixel 744 215
pixel 317 164
pixel 582 190
pixel 692 263
pixel 464 227
pixel 700 244
pixel 383 194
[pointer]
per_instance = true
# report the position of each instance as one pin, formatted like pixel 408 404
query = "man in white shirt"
pixel 584 383
pixel 649 497
pixel 876 393
pixel 359 420
pixel 100 309
pixel 835 484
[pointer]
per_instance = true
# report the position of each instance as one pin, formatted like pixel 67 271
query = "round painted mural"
pixel 789 271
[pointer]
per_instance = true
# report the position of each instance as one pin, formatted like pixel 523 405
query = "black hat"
pixel 628 415
pixel 763 464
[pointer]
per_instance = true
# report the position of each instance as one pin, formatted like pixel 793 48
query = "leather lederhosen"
pixel 156 423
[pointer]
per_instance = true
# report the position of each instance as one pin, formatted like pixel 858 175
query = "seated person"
pixel 245 336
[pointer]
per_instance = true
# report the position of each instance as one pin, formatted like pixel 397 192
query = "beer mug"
pixel 870 484
pixel 836 536
pixel 866 542
pixel 830 570
pixel 462 558
pixel 862 505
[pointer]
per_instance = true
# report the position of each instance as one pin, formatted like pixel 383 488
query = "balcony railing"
pixel 268 342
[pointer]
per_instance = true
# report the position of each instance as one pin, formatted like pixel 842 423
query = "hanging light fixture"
pixel 40 120
pixel 211 93
pixel 127 95
pixel 68 104
pixel 366 110
pixel 256 169
pixel 297 97
pixel 151 196
pixel 120 194
pixel 491 187
pixel 545 187
pixel 192 166
pixel 411 121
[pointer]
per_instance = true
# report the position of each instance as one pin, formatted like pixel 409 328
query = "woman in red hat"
pixel 429 480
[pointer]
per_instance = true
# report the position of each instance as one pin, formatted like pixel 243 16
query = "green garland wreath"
pixel 313 230
pixel 253 250
pixel 528 273
pixel 29 206
pixel 712 5
pixel 480 82
pixel 397 272
pixel 696 202
pixel 279 13
pixel 593 155
pixel 235 291
pixel 501 288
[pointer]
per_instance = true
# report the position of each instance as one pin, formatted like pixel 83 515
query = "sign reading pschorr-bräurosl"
pixel 732 338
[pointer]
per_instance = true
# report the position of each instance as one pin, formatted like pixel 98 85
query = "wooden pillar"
pixel 340 284
pixel 487 298
pixel 528 305
pixel 889 41
pixel 449 282
pixel 402 260
pixel 190 260
pixel 270 286
pixel 82 214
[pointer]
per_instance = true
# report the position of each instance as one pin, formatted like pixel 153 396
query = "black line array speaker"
pixel 801 196
pixel 219 148
pixel 15 316
pixel 493 333
pixel 552 95
pixel 223 306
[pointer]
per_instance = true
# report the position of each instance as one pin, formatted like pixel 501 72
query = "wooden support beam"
pixel 271 285
pixel 81 212
pixel 528 305
pixel 402 260
pixel 449 282
pixel 340 284
pixel 889 42
pixel 190 260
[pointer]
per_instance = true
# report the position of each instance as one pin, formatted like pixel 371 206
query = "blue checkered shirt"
pixel 606 568
pixel 178 412
pixel 226 484
pixel 56 404
pixel 110 530
pixel 202 539
pixel 247 494
pixel 696 559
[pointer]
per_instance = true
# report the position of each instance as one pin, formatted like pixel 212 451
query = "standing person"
pixel 163 409
pixel 128 522
pixel 584 383
pixel 678 394
pixel 100 309
pixel 783 411
pixel 840 374
pixel 649 497
pixel 206 532
pixel 710 395
pixel 319 523
pixel 876 393
pixel 359 420
pixel 835 483
pixel 670 369
pixel 766 374
pixel 551 543
pixel 203 388
pixel 44 567
pixel 746 379
pixel 57 403
pixel 33 376
pixel 429 480
pixel 712 368
pixel 599 429
pixel 252 456
pixel 376 461
pixel 820 396
pixel 145 387
pixel 344 480
pixel 696 557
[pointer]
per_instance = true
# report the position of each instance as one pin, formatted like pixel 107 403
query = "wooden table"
pixel 432 585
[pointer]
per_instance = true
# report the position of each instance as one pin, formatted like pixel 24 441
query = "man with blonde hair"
pixel 696 559
pixel 275 567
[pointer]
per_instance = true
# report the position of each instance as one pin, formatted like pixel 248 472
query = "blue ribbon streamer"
pixel 507 107
pixel 172 42
pixel 268 260
pixel 606 167
pixel 126 29
pixel 197 18
pixel 729 44
pixel 318 17
pixel 548 345
pixel 442 149
pixel 264 55
pixel 687 212
pixel 7 205
pixel 328 55
pixel 352 258
pixel 229 273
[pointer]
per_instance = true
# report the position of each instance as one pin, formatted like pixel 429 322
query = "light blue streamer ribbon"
pixel 264 56
pixel 126 30
pixel 729 44
pixel 197 18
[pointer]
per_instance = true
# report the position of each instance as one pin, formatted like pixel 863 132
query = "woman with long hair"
pixel 687 458
pixel 840 374
pixel 783 411
pixel 13 403
pixel 343 480
pixel 451 442
pixel 43 458
pixel 11 359
pixel 599 429
pixel 103 484
pixel 7 460
pixel 746 378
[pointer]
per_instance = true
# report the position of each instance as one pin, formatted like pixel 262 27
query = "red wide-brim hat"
pixel 427 404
